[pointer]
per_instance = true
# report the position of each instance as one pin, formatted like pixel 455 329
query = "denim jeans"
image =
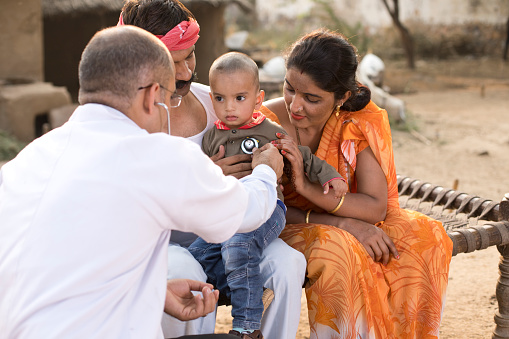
pixel 233 268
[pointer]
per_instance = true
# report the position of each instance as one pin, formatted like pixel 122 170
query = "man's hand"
pixel 268 155
pixel 237 165
pixel 182 304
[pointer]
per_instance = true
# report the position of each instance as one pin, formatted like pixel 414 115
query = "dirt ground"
pixel 461 108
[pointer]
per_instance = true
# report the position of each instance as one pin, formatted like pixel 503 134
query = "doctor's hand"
pixel 269 155
pixel 237 165
pixel 182 304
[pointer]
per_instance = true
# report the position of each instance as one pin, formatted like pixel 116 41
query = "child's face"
pixel 235 96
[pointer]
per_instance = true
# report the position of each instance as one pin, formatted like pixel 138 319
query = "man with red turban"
pixel 282 268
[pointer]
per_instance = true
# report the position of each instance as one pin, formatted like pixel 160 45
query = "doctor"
pixel 86 210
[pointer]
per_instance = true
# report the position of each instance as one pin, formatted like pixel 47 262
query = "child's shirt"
pixel 256 134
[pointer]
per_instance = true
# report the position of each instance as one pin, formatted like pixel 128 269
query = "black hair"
pixel 156 16
pixel 331 61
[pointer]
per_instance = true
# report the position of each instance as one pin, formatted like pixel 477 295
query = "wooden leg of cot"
pixel 502 316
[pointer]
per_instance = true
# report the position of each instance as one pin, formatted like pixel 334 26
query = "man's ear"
pixel 259 99
pixel 149 98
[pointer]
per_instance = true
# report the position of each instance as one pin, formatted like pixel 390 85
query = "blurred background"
pixel 42 40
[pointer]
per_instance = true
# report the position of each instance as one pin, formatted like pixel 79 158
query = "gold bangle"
pixel 339 205
pixel 307 216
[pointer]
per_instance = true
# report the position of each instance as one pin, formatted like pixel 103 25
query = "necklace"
pixel 298 135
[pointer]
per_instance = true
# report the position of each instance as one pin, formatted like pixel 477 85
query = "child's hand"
pixel 339 187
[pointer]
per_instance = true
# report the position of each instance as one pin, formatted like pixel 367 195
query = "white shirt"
pixel 85 214
pixel 201 92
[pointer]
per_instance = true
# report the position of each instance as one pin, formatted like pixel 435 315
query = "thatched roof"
pixel 58 7
pixel 68 7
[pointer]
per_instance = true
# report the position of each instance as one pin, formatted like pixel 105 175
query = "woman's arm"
pixel 369 203
pixel 378 244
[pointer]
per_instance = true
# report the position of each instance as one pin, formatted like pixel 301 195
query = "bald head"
pixel 119 60
pixel 233 62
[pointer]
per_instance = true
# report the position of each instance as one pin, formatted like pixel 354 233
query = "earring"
pixel 338 108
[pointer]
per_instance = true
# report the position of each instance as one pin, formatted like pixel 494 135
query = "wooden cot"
pixel 473 223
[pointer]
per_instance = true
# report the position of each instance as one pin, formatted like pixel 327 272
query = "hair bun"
pixel 358 100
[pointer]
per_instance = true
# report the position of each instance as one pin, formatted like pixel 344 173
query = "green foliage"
pixel 410 123
pixel 280 36
pixel 355 34
pixel 9 146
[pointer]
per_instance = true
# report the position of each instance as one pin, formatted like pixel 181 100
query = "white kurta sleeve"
pixel 261 198
pixel 215 206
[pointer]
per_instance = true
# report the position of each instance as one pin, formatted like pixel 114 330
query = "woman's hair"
pixel 156 16
pixel 331 61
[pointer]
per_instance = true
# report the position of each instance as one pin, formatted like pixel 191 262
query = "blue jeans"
pixel 233 268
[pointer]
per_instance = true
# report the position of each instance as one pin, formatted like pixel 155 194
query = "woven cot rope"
pixel 469 236
pixel 452 198
pixel 440 196
pixel 504 232
pixel 488 209
pixel 476 206
pixel 465 203
pixel 485 237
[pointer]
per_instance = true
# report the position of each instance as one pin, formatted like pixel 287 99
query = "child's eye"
pixel 241 98
pixel 218 99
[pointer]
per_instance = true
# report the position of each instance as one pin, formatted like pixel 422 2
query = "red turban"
pixel 180 37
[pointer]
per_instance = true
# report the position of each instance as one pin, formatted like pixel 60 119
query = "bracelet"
pixel 338 206
pixel 307 216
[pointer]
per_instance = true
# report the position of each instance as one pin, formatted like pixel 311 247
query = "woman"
pixel 374 270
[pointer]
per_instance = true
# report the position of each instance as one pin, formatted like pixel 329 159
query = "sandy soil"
pixel 461 108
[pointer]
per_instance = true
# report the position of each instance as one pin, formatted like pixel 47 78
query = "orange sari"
pixel 348 294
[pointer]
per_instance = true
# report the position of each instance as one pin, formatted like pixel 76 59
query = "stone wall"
pixel 21 44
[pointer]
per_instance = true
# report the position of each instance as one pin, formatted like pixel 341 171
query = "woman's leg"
pixel 283 270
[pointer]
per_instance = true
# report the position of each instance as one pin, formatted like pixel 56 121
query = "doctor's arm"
pixel 217 206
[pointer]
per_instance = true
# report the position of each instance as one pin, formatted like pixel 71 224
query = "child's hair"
pixel 234 62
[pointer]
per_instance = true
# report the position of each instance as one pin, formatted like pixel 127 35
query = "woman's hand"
pixel 237 165
pixel 378 244
pixel 290 151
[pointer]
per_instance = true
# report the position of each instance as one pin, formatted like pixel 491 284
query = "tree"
pixel 406 37
pixel 506 45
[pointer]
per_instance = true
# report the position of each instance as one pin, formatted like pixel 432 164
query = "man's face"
pixel 185 64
